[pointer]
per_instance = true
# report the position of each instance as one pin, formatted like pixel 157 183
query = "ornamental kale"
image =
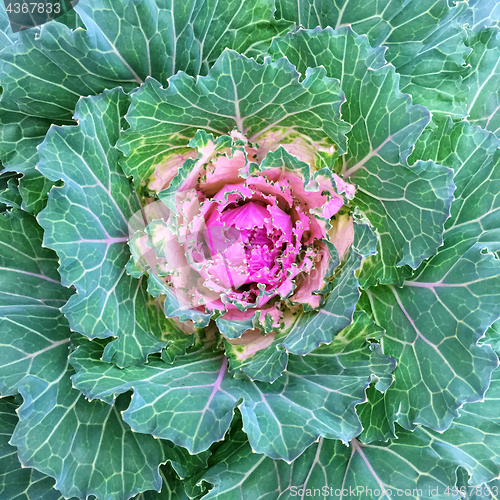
pixel 250 249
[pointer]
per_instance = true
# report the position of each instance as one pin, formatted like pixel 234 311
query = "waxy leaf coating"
pixel 425 41
pixel 17 482
pixel 82 444
pixel 320 391
pixel 407 204
pixel 434 322
pixel 354 143
pixel 34 334
pixel 86 222
pixel 411 466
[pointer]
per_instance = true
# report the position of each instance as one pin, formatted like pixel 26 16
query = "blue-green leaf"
pixel 485 13
pixel 20 135
pixel 34 335
pixel 407 204
pixel 192 401
pixel 483 101
pixel 84 445
pixel 17 482
pixel 237 93
pixel 9 190
pixel 86 223
pixel 124 43
pixel 424 40
pixel 416 465
pixel 434 322
pixel 492 337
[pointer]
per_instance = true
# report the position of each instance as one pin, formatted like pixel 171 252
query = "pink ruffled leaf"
pixel 238 251
pixel 316 283
pixel 319 327
pixel 188 175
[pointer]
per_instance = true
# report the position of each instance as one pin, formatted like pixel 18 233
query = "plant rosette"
pixel 243 234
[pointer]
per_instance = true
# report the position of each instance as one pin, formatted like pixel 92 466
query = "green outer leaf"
pixel 485 13
pixel 163 37
pixel 374 418
pixel 192 401
pixel 463 147
pixel 468 150
pixel 281 158
pixel 84 445
pixel 365 235
pixel 58 66
pixel 9 190
pixel 434 322
pixel 483 101
pixel 181 468
pixel 425 41
pixel 20 135
pixel 7 38
pixel 333 466
pixel 237 92
pixel 419 460
pixel 492 337
pixel 86 222
pixel 185 464
pixel 492 490
pixel 408 205
pixel 71 19
pixel 473 440
pixel 16 482
pixel 267 364
pixel 432 327
pixel 233 329
pixel 34 335
pixel 172 487
pixel 124 43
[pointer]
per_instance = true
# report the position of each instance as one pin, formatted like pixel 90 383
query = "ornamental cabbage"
pixel 250 249
pixel 248 236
